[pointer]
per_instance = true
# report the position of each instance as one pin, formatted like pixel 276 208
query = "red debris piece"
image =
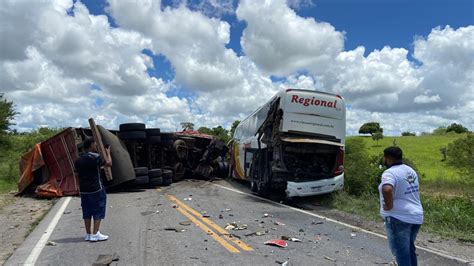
pixel 276 242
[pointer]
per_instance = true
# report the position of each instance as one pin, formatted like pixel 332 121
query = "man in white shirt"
pixel 400 206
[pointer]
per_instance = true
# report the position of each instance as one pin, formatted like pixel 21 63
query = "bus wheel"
pixel 254 186
pixel 262 189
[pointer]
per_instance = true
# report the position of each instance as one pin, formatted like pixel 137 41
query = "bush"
pixel 460 154
pixel 408 133
pixel 362 174
pixel 458 128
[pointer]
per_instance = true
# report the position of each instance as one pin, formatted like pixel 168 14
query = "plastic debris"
pixel 51 243
pixel 319 222
pixel 227 210
pixel 353 235
pixel 329 258
pixel 265 215
pixel 185 223
pixel 278 223
pixel 188 199
pixel 292 239
pixel 258 233
pixel 176 229
pixel 235 226
pixel 229 227
pixel 276 242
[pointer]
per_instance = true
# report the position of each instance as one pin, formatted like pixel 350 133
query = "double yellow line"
pixel 222 236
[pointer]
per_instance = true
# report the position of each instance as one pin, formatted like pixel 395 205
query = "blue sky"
pixel 369 23
pixel 84 66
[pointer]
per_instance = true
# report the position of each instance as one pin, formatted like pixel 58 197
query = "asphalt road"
pixel 141 227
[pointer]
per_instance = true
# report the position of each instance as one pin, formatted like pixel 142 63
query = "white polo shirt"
pixel 406 197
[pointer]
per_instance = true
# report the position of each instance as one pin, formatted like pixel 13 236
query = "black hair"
pixel 393 152
pixel 88 143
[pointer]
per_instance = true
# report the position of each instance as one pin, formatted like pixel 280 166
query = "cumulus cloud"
pixel 60 69
pixel 191 41
pixel 282 43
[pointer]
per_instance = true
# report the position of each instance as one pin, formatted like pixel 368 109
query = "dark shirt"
pixel 88 167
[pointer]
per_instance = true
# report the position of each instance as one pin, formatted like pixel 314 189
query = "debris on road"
pixel 235 226
pixel 265 215
pixel 51 243
pixel 176 229
pixel 301 231
pixel 66 212
pixel 353 235
pixel 285 263
pixel 276 242
pixel 185 223
pixel 314 222
pixel 174 206
pixel 220 216
pixel 292 239
pixel 188 199
pixel 278 223
pixel 329 258
pixel 105 259
pixel 258 233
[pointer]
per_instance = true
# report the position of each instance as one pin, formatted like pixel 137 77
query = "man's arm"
pixel 387 192
pixel 108 158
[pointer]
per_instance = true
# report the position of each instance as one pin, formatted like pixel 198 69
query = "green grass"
pixel 436 176
pixel 7 186
pixel 448 217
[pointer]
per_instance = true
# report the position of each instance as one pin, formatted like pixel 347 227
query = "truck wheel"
pixel 152 132
pixel 141 171
pixel 155 173
pixel 155 181
pixel 178 172
pixel 167 177
pixel 132 135
pixel 132 127
pixel 142 180
pixel 153 139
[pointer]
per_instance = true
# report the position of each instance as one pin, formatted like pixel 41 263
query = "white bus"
pixel 293 143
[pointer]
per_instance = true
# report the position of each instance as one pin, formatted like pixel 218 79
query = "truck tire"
pixel 132 135
pixel 153 139
pixel 142 180
pixel 155 173
pixel 153 132
pixel 167 137
pixel 178 173
pixel 167 177
pixel 141 171
pixel 155 181
pixel 181 149
pixel 132 127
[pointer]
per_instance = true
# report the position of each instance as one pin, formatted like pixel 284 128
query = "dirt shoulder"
pixel 18 217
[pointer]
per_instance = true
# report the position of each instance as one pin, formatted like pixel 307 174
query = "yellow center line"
pixel 206 229
pixel 216 227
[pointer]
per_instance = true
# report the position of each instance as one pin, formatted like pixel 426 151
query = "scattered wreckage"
pixel 142 157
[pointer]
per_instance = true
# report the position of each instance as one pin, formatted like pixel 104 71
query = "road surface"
pixel 144 229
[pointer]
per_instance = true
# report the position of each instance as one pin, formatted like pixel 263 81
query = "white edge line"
pixel 430 250
pixel 36 251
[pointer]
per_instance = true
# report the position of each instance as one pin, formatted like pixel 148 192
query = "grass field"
pixel 435 174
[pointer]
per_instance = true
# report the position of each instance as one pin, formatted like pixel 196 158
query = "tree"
pixel 370 128
pixel 187 126
pixel 460 154
pixel 377 136
pixel 408 133
pixel 439 131
pixel 233 127
pixel 7 113
pixel 458 128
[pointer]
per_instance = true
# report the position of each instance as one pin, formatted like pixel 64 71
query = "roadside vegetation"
pixel 445 164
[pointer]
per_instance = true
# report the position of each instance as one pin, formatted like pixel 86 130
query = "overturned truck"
pixel 143 157
pixel 293 143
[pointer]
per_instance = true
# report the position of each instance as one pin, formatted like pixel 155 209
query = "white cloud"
pixel 281 43
pixel 51 65
pixel 427 99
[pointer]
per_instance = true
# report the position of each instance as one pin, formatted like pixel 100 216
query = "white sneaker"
pixel 88 237
pixel 98 237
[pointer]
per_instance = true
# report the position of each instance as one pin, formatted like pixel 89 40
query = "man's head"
pixel 89 145
pixel 392 155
